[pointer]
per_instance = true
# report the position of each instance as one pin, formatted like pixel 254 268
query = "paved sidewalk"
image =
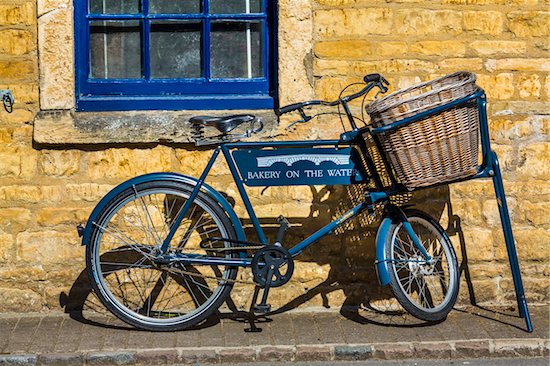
pixel 96 339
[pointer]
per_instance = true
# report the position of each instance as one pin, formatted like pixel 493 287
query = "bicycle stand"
pixel 509 239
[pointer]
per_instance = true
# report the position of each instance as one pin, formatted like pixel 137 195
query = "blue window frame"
pixel 166 54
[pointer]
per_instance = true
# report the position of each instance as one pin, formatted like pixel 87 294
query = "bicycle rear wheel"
pixel 427 291
pixel 125 240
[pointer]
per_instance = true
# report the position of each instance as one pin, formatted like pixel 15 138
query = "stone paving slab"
pixel 97 339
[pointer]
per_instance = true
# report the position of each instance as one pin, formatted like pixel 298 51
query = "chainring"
pixel 274 259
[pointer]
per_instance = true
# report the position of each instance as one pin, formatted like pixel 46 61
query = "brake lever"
pixel 305 118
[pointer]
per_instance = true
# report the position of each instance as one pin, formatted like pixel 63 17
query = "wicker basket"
pixel 437 149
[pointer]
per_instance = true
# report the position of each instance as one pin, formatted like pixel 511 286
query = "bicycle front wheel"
pixel 125 241
pixel 428 291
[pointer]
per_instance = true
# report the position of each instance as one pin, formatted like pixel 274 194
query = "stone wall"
pixel 45 190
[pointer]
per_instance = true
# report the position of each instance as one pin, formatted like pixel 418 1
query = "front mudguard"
pixel 381 260
pixel 180 178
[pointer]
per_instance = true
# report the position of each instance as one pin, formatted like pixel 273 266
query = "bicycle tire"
pixel 427 292
pixel 122 244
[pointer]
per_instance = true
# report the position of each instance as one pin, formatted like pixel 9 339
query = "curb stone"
pixel 17 360
pixel 503 348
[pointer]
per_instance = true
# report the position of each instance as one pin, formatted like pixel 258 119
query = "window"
pixel 168 54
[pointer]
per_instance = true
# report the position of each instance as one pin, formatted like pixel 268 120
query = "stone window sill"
pixel 67 127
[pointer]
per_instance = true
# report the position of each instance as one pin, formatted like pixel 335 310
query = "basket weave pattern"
pixel 437 149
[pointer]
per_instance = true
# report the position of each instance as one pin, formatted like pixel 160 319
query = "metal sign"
pixel 295 167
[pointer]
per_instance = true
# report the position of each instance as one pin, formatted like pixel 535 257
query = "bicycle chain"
pixel 192 274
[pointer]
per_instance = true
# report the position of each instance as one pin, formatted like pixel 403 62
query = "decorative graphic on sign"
pixel 317 159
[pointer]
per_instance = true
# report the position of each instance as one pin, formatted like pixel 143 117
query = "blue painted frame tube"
pixel 327 229
pixel 190 200
pixel 416 241
pixel 244 195
pixel 509 240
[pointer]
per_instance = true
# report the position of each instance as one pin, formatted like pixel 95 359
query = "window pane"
pixel 236 50
pixel 114 6
pixel 115 49
pixel 176 50
pixel 235 6
pixel 174 6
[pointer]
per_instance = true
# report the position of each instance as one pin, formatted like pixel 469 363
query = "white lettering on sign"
pixel 318 173
pixel 293 174
pixel 340 172
pixel 270 174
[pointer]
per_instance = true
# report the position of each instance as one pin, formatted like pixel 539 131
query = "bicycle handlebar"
pixel 372 80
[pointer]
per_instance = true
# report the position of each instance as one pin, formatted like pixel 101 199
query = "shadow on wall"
pixel 350 254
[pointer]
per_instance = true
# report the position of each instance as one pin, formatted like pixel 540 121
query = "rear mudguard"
pixel 381 260
pixel 174 177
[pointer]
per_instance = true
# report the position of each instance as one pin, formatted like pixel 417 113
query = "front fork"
pixel 394 214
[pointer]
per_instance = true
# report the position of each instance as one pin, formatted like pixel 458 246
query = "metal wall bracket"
pixel 7 100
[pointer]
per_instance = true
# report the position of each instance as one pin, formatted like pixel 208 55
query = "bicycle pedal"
pixel 261 308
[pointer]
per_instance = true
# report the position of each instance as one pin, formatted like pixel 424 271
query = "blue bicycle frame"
pixel 327 162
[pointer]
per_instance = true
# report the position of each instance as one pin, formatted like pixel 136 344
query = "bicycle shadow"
pixel 351 282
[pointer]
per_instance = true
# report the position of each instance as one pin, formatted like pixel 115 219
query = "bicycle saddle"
pixel 223 124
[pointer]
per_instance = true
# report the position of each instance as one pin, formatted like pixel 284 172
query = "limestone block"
pixel 31 194
pixel 48 247
pixel 18 116
pixel 60 162
pixel 510 128
pixel 350 23
pixel 88 192
pixel 56 56
pixel 6 247
pixel 14 219
pixel 427 22
pixel 16 70
pixel 498 47
pixel 484 22
pixel 537 213
pixel 65 215
pixel 439 48
pixel 453 64
pixel 342 50
pixel 507 157
pixel 45 6
pixel 127 163
pixel 18 14
pixel 16 300
pixel 391 48
pixel 529 23
pixel 523 64
pixel 531 244
pixel 469 210
pixel 491 214
pixel 11 163
pixel 478 242
pixel 323 67
pixel 529 85
pixel 533 162
pixel 499 86
pixel 16 42
pixel 528 188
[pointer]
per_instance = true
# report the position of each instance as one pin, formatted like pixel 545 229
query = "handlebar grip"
pixel 288 108
pixel 372 77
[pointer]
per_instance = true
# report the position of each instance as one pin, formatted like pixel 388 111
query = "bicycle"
pixel 163 249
